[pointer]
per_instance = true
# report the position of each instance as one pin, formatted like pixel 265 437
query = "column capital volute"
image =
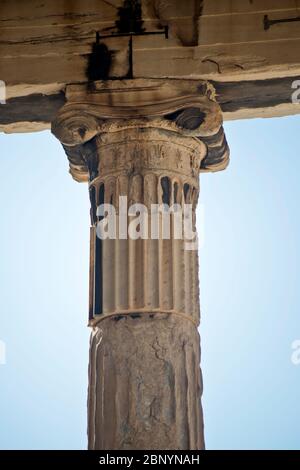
pixel 186 108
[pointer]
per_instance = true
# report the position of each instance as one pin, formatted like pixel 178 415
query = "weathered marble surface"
pixel 145 384
pixel 44 46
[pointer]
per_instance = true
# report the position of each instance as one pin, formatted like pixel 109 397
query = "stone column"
pixel 147 141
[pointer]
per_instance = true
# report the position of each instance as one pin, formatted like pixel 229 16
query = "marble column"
pixel 143 142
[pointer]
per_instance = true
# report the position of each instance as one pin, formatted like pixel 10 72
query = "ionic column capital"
pixel 183 109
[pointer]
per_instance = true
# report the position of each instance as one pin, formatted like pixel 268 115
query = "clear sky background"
pixel 250 296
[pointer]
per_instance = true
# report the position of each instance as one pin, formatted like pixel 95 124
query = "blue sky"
pixel 249 279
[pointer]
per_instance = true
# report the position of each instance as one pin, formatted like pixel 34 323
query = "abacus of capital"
pixel 147 140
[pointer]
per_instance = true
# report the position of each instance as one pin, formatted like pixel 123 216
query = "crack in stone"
pixel 213 62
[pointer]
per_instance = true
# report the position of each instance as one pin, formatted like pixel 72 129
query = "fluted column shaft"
pixel 145 384
pixel 145 381
pixel 157 272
